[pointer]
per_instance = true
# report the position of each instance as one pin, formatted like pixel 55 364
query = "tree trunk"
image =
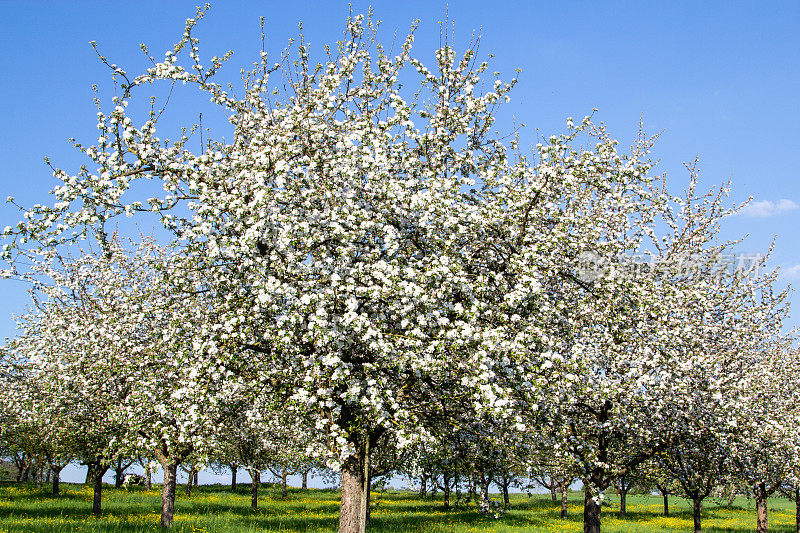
pixel 446 490
pixel 564 488
pixel 553 494
pixel 304 485
pixel 591 514
pixel 89 474
pixel 797 508
pixel 369 495
pixel 473 491
pixel 485 488
pixel 196 477
pixel 119 477
pixel 623 495
pixel 168 493
pixel 504 485
pixel 56 480
pixel 189 480
pixel 761 508
pixel 697 508
pixel 666 504
pixel 353 506
pixel 149 478
pixel 48 474
pixel 423 487
pixel 233 478
pixel 19 463
pixel 97 482
pixel 255 479
pixel 284 488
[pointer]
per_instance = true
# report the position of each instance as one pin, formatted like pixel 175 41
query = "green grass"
pixel 214 508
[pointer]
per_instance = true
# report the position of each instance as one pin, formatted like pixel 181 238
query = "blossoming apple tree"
pixel 332 231
pixel 649 351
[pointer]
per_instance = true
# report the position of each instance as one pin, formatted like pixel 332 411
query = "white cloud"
pixel 792 272
pixel 768 208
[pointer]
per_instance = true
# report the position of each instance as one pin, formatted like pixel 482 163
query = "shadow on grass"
pixel 47 496
pixel 70 513
pixel 708 515
pixel 539 503
pixel 772 528
pixel 423 521
pixel 394 513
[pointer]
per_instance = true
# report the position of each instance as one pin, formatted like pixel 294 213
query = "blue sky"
pixel 720 79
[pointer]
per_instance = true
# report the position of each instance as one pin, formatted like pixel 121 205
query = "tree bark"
pixel 97 497
pixel 623 496
pixel 369 495
pixel 591 514
pixel 189 480
pixel 284 487
pixel 564 489
pixel 353 510
pixel 797 508
pixel 423 486
pixel 666 504
pixel 168 493
pixel 119 477
pixel 147 473
pixel 697 508
pixel 553 494
pixel 446 492
pixel 196 477
pixel 19 463
pixel 761 508
pixel 304 485
pixel 506 499
pixel 233 478
pixel 56 480
pixel 255 479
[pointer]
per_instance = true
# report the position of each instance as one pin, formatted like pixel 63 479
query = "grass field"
pixel 215 508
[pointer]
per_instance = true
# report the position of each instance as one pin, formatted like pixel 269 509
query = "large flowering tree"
pixel 332 230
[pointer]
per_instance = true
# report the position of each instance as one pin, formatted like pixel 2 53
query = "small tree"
pixel 764 450
pixel 698 464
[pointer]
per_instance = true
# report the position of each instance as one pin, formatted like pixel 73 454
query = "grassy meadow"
pixel 23 508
